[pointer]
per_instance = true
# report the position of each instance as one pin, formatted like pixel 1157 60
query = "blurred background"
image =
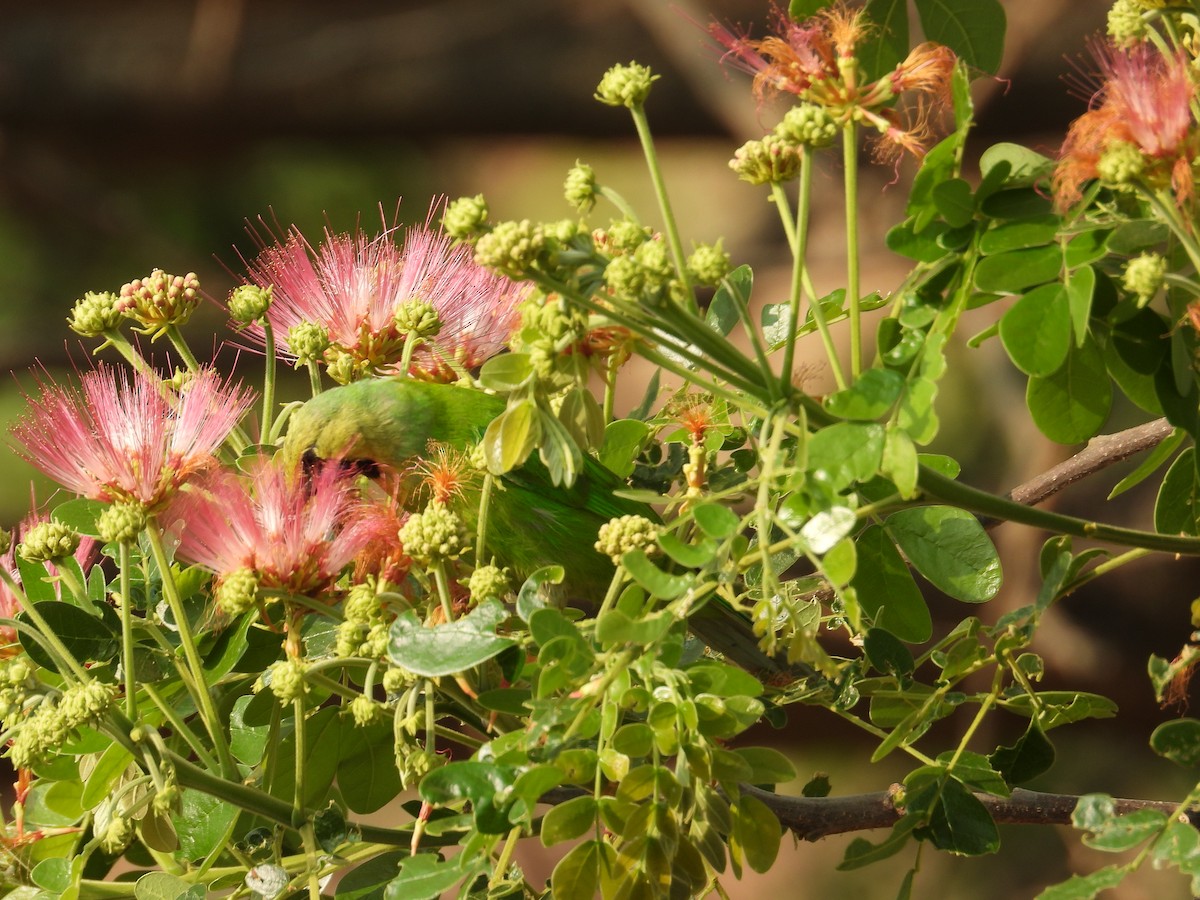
pixel 142 134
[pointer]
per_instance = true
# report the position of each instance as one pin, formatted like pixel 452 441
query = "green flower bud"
pixel 286 680
pixel 621 535
pixel 1144 275
pixel 466 218
pixel 117 836
pixel 122 523
pixel 366 711
pixel 249 302
pixel 1121 163
pixel 563 231
pixel 625 278
pixel 1125 23
pixel 343 367
pixel 415 764
pixel 580 188
pixel 361 604
pixel 308 342
pixel 160 300
pixel 376 642
pixel 488 581
pixel 708 264
pixel 434 535
pixel 418 318
pixel 94 314
pixel 655 259
pixel 396 679
pixel 511 248
pixel 771 160
pixel 237 591
pixel 625 85
pixel 5 540
pixel 808 125
pixel 48 541
pixel 84 704
pixel 624 236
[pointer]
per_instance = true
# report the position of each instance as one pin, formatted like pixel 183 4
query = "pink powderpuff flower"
pixel 129 439
pixel 815 61
pixel 296 533
pixel 1145 101
pixel 383 555
pixel 353 286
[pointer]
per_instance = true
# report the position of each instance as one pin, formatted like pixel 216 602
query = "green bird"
pixel 531 521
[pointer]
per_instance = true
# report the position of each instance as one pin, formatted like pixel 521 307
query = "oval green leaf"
pixel 1073 403
pixel 1036 331
pixel 948 547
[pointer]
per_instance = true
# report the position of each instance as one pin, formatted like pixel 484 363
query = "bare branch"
pixel 1101 451
pixel 813 818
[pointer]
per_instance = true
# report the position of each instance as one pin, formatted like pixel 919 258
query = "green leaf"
pixel 1178 741
pixel 954 201
pixel 657 582
pixel 511 436
pixel 861 852
pixel 366 882
pixel 956 820
pixel 722 312
pixel 975 771
pixel 623 440
pixel 847 452
pixel 950 548
pixel 1015 271
pixel 1056 708
pixel 917 416
pixel 449 648
pixel 1148 466
pixel 1112 833
pixel 1025 166
pixel 885 45
pixel 1029 757
pixel 973 29
pixel 722 679
pixel 1072 404
pixel 423 877
pixel 164 886
pixel 756 833
pixel 529 598
pixel 246 741
pixel 776 324
pixel 768 766
pixel 577 875
pixel 201 823
pixel 823 531
pixel 900 463
pixel 840 563
pixel 715 520
pixel 614 627
pixel 52 875
pixel 80 514
pixel 108 769
pixel 568 820
pixel 367 775
pixel 1081 288
pixel 886 653
pixel 886 591
pixel 480 782
pixel 1020 234
pixel 1084 887
pixel 88 637
pixel 1177 509
pixel 506 372
pixel 693 556
pixel 875 392
pixel 1036 331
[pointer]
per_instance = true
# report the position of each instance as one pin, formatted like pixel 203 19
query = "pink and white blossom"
pixel 128 438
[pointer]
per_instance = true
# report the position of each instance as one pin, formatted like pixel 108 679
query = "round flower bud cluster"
pixel 808 125
pixel 94 314
pixel 160 300
pixel 286 680
pixel 708 264
pixel 343 367
pixel 48 541
pixel 362 614
pixel 54 722
pixel 117 835
pixel 396 679
pixel 465 218
pixel 435 535
pixel 580 188
pixel 511 248
pixel 1144 275
pixel 621 535
pixel 548 329
pixel 488 581
pixel 768 161
pixel 646 275
pixel 249 302
pixel 16 678
pixel 418 318
pixel 627 85
pixel 237 591
pixel 623 236
pixel 1125 23
pixel 366 711
pixel 122 523
pixel 308 342
pixel 1121 163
